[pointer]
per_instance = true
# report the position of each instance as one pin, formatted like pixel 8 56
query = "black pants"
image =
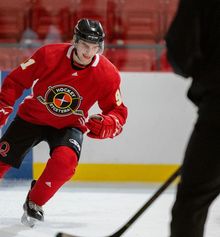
pixel 200 181
pixel 21 136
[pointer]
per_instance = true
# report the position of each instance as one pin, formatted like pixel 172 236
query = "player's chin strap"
pixel 76 64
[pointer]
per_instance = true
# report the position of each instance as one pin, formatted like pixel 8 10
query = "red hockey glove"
pixel 103 126
pixel 5 111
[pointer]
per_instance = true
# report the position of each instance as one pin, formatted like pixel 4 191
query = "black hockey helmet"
pixel 90 31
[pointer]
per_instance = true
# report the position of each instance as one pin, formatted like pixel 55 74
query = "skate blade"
pixel 28 221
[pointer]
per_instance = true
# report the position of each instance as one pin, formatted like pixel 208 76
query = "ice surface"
pixel 94 210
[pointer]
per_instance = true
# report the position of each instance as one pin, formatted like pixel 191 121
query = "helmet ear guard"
pixel 90 31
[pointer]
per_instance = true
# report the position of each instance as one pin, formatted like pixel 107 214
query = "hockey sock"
pixel 3 168
pixel 59 169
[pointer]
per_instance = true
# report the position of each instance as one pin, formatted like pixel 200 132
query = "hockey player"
pixel 66 80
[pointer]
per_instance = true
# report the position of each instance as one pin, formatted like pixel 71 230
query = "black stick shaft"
pixel 147 204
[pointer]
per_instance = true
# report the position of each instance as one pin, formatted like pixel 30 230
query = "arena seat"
pixel 171 10
pixel 47 13
pixel 5 59
pixel 140 21
pixel 11 57
pixel 131 60
pixel 12 20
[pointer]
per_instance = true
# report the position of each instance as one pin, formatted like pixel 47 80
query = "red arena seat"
pixel 140 21
pixel 132 60
pixel 47 13
pixel 12 20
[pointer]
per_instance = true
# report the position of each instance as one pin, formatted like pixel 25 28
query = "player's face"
pixel 85 52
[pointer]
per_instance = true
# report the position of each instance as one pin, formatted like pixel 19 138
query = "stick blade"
pixel 61 234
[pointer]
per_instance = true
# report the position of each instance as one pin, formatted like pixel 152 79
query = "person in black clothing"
pixel 200 172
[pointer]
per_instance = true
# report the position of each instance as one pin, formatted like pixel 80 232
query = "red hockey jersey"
pixel 61 95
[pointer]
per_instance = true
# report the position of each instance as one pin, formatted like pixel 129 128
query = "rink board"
pixel 117 172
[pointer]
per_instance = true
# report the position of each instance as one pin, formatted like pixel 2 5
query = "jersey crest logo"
pixel 62 100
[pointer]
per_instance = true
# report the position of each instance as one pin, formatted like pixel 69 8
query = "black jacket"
pixel 193 46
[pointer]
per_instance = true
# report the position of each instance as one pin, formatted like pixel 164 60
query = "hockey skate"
pixel 32 212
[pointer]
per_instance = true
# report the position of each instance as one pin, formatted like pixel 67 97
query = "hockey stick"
pixel 140 211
